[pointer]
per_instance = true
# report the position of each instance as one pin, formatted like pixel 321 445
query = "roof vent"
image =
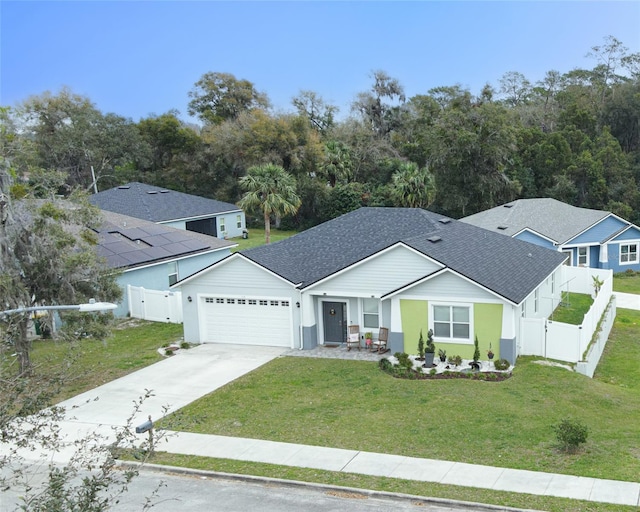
pixel 444 221
pixel 124 187
pixel 164 191
pixel 434 239
pixel 503 227
pixel 508 205
pixel 152 192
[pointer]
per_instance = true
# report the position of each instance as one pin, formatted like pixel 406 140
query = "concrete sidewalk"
pixel 627 300
pixel 409 468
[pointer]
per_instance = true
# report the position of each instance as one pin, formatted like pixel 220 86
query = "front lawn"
pixel 93 363
pixel 627 282
pixel 353 405
pixel 572 308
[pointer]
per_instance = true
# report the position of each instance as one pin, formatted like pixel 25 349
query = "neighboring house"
pixel 409 270
pixel 154 256
pixel 591 238
pixel 175 209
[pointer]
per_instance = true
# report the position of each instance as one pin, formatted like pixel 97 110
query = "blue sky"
pixel 142 58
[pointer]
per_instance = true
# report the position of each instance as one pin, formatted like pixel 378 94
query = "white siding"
pixel 381 274
pixel 450 286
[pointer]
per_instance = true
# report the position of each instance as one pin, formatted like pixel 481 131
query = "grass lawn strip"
pixel 353 405
pixel 95 362
pixel 572 308
pixel 426 489
pixel 627 282
pixel 256 238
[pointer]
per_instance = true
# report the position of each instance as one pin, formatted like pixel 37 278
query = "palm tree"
pixel 413 187
pixel 272 190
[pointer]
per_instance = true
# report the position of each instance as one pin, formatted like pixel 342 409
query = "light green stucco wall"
pixel 487 322
pixel 414 317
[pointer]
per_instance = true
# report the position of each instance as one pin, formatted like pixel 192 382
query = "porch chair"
pixel 353 337
pixel 381 343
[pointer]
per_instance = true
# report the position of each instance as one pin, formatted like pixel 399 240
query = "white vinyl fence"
pixel 565 342
pixel 155 305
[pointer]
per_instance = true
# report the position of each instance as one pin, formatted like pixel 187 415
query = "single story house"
pixel 406 269
pixel 154 256
pixel 590 238
pixel 173 209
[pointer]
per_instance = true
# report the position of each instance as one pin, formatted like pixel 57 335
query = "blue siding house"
pixel 589 238
pixel 154 256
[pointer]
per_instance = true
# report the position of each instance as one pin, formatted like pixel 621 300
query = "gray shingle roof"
pixel 157 204
pixel 127 242
pixel 509 267
pixel 554 219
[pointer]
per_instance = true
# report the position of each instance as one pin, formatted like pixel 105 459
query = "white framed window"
pixel 173 272
pixel 452 322
pixel 583 256
pixel 239 221
pixel 371 313
pixel 222 224
pixel 628 254
pixel 569 260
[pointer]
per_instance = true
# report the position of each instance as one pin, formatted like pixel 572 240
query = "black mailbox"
pixel 144 427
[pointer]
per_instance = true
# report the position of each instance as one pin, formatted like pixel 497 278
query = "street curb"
pixel 420 500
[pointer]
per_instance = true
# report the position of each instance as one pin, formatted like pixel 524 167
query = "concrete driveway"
pixel 174 382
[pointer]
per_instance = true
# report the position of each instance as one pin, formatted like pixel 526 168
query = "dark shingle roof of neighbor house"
pixel 157 204
pixel 127 242
pixel 552 218
pixel 509 267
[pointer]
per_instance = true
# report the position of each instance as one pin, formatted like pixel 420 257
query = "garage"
pixel 247 321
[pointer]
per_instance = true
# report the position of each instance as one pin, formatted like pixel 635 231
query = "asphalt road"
pixel 191 493
pixel 187 493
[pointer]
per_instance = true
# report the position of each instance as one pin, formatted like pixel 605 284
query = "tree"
pixel 515 88
pixel 336 164
pixel 48 256
pixel 313 107
pixel 217 97
pixel 69 134
pixel 270 189
pixel 413 187
pixel 381 116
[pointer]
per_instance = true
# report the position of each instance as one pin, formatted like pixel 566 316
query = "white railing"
pixel 155 305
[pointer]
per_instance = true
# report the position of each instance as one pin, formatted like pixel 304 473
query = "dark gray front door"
pixel 335 327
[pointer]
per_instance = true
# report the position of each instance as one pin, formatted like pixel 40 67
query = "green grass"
pixel 353 405
pixel 426 489
pixel 627 282
pixel 572 308
pixel 93 363
pixel 620 363
pixel 256 238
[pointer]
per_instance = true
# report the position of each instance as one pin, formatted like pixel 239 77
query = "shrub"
pixel 421 346
pixel 457 360
pixel 185 345
pixel 570 434
pixel 476 352
pixel 385 365
pixel 502 364
pixel 404 360
pixel 433 371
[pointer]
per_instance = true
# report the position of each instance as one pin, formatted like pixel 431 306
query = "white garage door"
pixel 249 321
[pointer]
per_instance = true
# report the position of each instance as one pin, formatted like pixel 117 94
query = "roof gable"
pixel 508 267
pixel 157 204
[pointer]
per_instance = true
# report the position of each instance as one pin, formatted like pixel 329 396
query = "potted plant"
pixel 429 350
pixel 368 336
pixel 442 354
pixel 490 353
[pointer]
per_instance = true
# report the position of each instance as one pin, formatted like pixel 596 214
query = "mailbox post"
pixel 147 426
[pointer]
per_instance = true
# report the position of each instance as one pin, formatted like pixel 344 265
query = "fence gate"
pixel 155 305
pixel 533 333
